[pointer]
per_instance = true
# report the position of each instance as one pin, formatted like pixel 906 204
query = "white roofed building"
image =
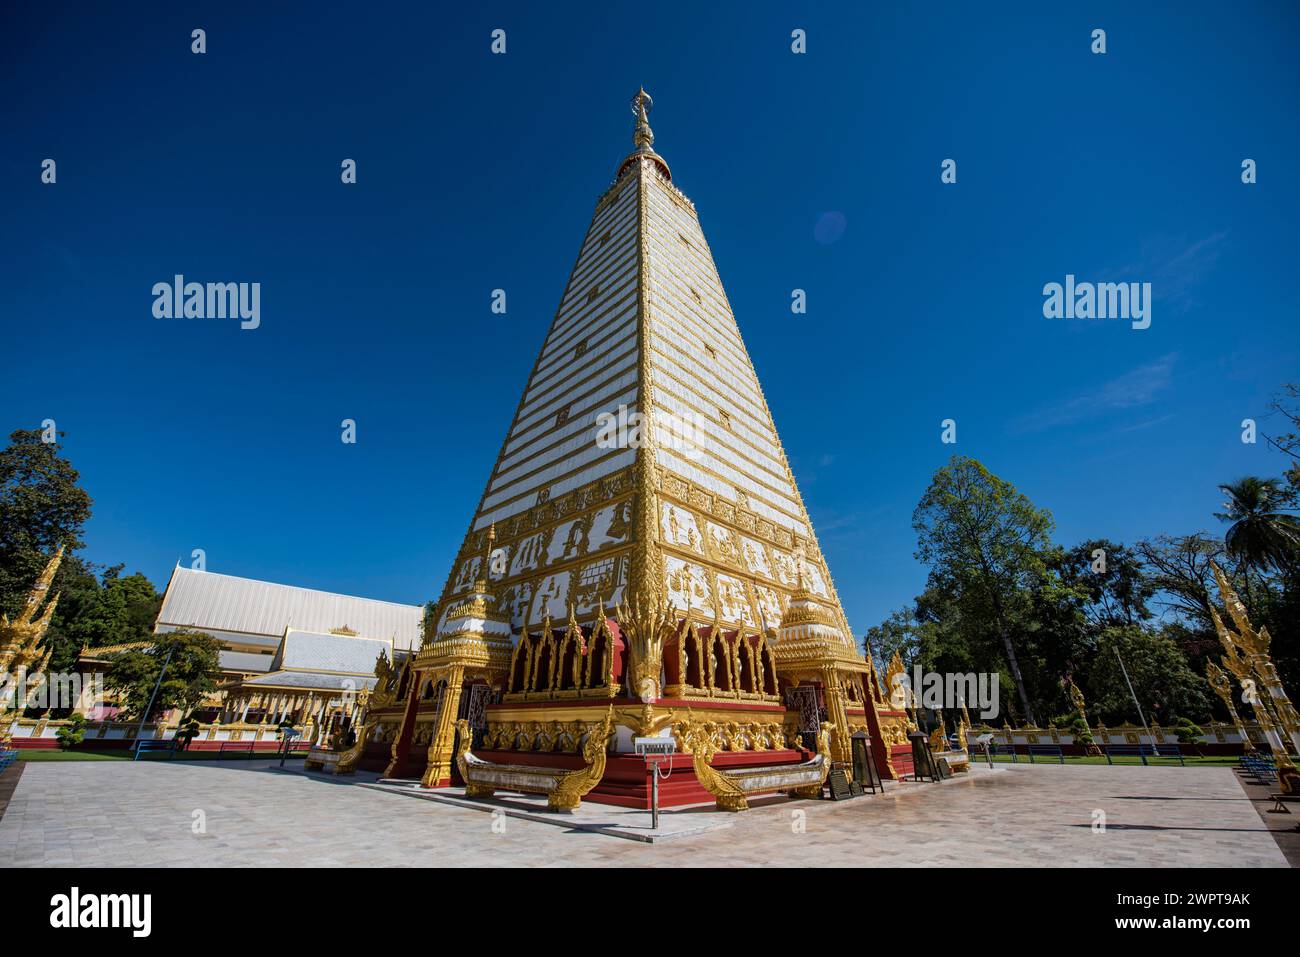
pixel 286 651
pixel 251 617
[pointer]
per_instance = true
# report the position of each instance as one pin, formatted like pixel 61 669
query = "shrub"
pixel 1187 732
pixel 72 732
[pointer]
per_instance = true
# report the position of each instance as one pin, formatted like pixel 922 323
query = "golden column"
pixel 837 711
pixel 441 746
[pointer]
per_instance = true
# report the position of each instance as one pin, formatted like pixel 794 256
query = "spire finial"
pixel 642 104
pixel 643 137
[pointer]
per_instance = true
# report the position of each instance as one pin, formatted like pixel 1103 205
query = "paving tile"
pixel 93 813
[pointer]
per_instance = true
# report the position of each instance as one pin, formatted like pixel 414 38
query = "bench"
pixel 7 758
pixel 732 788
pixel 1280 800
pixel 564 788
pixel 236 748
pixel 1260 770
pixel 996 750
pixel 1265 772
pixel 153 744
pixel 1144 751
pixel 1046 751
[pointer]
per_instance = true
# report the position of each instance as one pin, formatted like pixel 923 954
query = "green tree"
pixel 78 589
pixel 191 659
pixel 1178 568
pixel 41 508
pixel 1262 535
pixel 1165 686
pixel 898 634
pixel 117 611
pixel 1287 405
pixel 1111 578
pixel 983 541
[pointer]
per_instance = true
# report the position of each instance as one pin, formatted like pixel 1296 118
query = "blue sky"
pixel 479 172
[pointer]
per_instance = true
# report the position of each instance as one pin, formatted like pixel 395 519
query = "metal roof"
pixel 308 681
pixel 244 661
pixel 201 599
pixel 338 654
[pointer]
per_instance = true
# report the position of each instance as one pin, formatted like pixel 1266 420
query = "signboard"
pixel 841 787
pixel 648 746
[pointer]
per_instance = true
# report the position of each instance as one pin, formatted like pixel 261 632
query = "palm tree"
pixel 1261 535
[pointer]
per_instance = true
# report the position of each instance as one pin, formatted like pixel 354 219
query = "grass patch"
pixel 53 754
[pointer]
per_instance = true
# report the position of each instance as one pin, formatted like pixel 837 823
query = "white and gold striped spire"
pixel 644 336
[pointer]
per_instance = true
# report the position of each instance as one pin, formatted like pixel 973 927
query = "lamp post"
pixel 1155 751
pixel 287 734
pixel 152 698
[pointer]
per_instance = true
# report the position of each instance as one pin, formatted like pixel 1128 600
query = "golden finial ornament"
pixel 642 104
pixel 643 137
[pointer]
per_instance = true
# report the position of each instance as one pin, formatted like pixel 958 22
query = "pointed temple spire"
pixel 643 137
pixel 642 476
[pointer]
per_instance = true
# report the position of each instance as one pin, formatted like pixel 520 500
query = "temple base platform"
pixel 628 778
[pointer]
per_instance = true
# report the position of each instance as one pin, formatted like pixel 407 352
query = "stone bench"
pixel 732 787
pixel 564 787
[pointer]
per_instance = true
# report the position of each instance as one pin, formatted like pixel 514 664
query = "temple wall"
pixel 40 733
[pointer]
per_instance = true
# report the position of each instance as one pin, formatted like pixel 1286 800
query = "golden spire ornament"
pixel 643 137
pixel 642 104
pixel 1222 686
pixel 20 646
pixel 1254 647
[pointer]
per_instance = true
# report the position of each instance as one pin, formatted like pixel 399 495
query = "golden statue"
pixel 1076 699
pixel 645 627
pixel 963 727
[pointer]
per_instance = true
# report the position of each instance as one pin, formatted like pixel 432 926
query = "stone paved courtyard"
pixel 101 813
